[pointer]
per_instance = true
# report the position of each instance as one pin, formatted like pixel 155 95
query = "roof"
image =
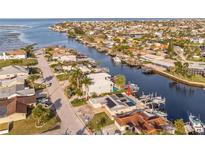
pixel 98 75
pixel 17 104
pixel 17 52
pixel 142 122
pixel 15 90
pixel 13 69
pixel 10 82
pixel 119 101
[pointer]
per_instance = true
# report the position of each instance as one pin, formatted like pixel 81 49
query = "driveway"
pixel 70 122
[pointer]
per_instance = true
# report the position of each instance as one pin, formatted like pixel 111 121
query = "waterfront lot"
pixel 99 121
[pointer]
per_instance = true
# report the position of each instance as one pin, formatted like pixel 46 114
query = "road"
pixel 70 122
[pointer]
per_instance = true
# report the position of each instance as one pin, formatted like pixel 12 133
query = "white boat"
pixel 157 113
pixel 116 59
pixel 158 100
pixel 196 124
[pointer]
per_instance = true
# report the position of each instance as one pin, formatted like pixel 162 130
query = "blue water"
pixel 180 99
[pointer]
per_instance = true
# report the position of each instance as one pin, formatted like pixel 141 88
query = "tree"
pixel 42 114
pixel 120 80
pixel 170 50
pixel 179 125
pixel 29 50
pixel 86 82
pixel 75 76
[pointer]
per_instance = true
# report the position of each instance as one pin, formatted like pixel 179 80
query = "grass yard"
pixel 78 102
pixel 99 121
pixel 62 77
pixel 23 62
pixel 193 78
pixel 27 126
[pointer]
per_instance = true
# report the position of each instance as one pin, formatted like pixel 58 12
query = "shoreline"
pixel 134 63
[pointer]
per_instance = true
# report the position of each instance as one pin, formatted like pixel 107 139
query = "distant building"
pixel 101 83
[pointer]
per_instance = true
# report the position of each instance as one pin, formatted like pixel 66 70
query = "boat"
pixel 158 100
pixel 116 59
pixel 196 124
pixel 157 113
pixel 150 98
pixel 134 87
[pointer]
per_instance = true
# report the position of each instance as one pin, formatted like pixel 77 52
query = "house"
pixel 119 104
pixel 115 104
pixel 12 71
pixel 142 123
pixel 15 90
pixel 101 83
pixel 11 82
pixel 84 69
pixel 17 54
pixel 67 68
pixel 196 68
pixel 15 108
pixel 68 58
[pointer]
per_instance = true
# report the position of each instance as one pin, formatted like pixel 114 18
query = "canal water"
pixel 180 99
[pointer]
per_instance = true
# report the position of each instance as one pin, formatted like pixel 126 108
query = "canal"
pixel 180 99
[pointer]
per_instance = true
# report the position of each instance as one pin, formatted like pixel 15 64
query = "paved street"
pixel 70 122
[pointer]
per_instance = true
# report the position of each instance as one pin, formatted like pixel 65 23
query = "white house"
pixel 18 54
pixel 68 58
pixel 101 83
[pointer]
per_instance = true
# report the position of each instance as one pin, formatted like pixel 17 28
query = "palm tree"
pixel 86 81
pixel 75 77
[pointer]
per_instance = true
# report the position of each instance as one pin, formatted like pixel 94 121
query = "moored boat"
pixel 196 124
pixel 116 59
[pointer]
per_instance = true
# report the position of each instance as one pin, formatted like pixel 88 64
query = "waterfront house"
pixel 13 71
pixel 15 108
pixel 101 83
pixel 114 104
pixel 17 54
pixel 197 68
pixel 142 123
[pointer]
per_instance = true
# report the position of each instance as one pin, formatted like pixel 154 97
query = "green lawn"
pixel 62 77
pixel 27 126
pixel 99 121
pixel 78 102
pixel 193 78
pixel 23 62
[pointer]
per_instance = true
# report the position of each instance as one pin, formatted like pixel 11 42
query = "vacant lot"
pixel 99 121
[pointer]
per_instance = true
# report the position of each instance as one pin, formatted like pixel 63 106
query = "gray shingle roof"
pixel 13 69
